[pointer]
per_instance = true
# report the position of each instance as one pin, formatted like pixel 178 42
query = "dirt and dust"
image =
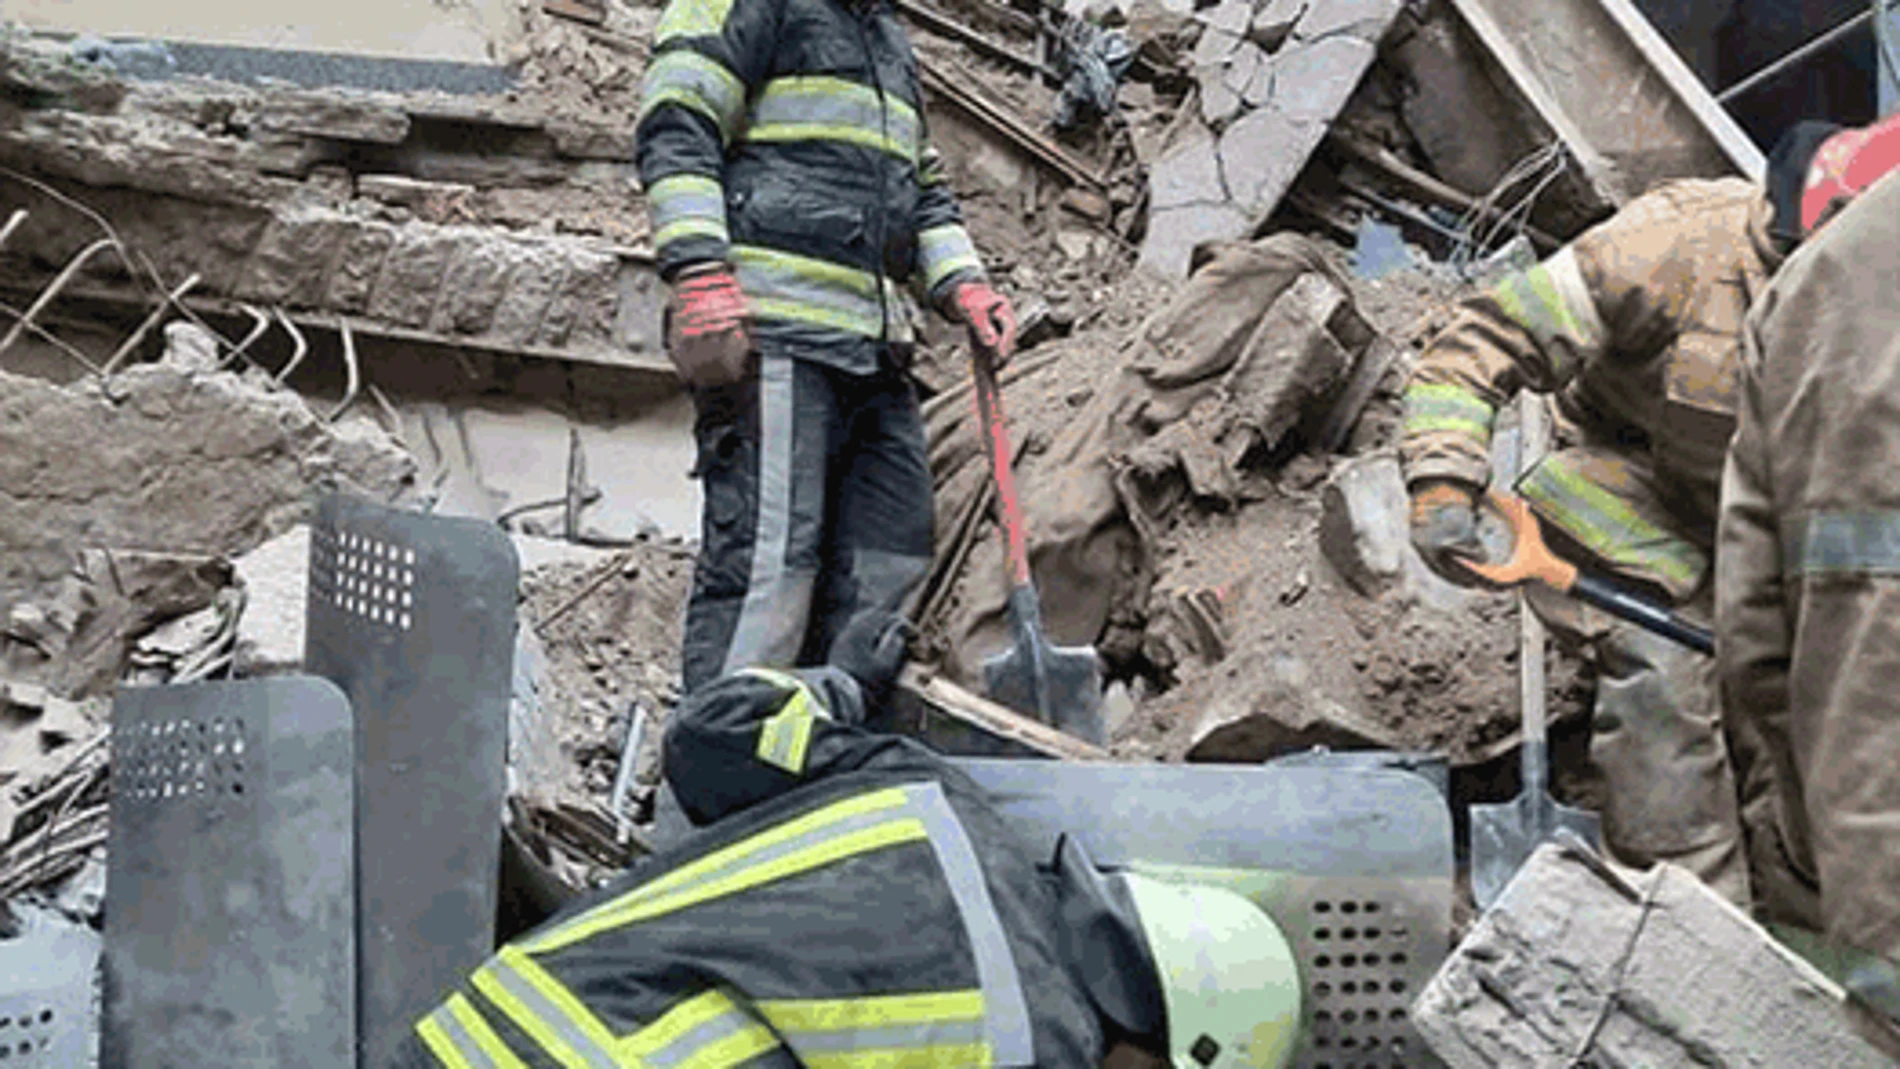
pixel 610 629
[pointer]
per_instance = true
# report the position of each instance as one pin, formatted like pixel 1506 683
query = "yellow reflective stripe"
pixel 820 107
pixel 603 917
pixel 567 1031
pixel 687 204
pixel 786 735
pixel 706 1030
pixel 783 285
pixel 834 1015
pixel 691 18
pixel 963 1056
pixel 1552 302
pixel 476 1030
pixel 783 680
pixel 1607 525
pixel 697 82
pixel 943 251
pixel 676 1023
pixel 438 1044
pixel 1432 407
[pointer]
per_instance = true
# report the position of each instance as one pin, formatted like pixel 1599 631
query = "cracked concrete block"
pixel 358 266
pixel 1243 66
pixel 1364 19
pixel 291 263
pixel 1364 531
pixel 1579 964
pixel 586 297
pixel 1312 81
pixel 537 278
pixel 1219 103
pixel 1261 155
pixel 1188 174
pixel 1274 22
pixel 1292 366
pixel 412 276
pixel 276 578
pixel 475 287
pixel 1173 233
pixel 1230 17
pixel 1213 48
pixel 1288 713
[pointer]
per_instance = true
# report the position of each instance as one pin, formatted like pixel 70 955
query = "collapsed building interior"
pixel 245 263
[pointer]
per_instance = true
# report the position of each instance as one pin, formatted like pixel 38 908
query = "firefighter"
pixel 794 193
pixel 1634 329
pixel 853 899
pixel 1807 578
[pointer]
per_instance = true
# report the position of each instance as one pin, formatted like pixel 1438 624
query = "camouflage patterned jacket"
pixel 1635 327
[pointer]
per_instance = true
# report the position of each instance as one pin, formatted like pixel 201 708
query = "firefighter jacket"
pixel 1635 327
pixel 787 138
pixel 856 901
pixel 1807 579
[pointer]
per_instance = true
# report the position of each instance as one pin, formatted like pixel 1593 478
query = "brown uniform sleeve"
pixel 1614 291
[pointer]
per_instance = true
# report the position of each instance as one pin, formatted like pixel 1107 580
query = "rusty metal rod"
pixel 1008 125
pixel 53 288
pixel 951 28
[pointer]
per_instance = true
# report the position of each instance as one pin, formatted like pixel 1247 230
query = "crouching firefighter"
pixel 852 899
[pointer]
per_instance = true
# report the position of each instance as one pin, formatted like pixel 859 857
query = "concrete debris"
pixel 1363 528
pixel 1579 962
pixel 190 648
pixel 276 581
pixel 189 348
pixel 1270 106
pixel 1281 711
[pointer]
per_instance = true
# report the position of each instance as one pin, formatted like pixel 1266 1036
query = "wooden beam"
pixel 956 721
pixel 1695 96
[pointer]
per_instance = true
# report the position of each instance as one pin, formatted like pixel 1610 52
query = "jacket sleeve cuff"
pixel 945 257
pixel 1468 470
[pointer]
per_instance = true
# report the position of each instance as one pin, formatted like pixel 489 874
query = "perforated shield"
pixel 413 616
pixel 1354 863
pixel 230 926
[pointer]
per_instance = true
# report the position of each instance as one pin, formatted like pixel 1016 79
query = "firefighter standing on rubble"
pixel 857 901
pixel 793 190
pixel 1807 577
pixel 1635 328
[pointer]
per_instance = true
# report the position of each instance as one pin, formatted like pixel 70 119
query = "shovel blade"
pixel 1058 685
pixel 1503 836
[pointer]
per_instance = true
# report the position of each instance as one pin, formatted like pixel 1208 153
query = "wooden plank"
pixel 1695 96
pixel 956 721
pixel 590 12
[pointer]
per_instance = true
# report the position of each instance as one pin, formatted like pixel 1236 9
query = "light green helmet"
pixel 1228 976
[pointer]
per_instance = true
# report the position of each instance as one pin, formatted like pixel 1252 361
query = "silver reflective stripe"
pixel 781 285
pixel 943 251
pixel 694 1042
pixel 546 1015
pixel 890 1037
pixel 1861 542
pixel 772 620
pixel 687 204
pixel 824 108
pixel 1006 1017
pixel 459 1037
pixel 697 82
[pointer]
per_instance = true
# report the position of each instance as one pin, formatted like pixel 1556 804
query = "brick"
pixel 1657 968
pixel 1363 529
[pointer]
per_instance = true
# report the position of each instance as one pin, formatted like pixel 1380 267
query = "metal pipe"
pixel 137 336
pixel 53 288
pixel 1796 57
pixel 355 380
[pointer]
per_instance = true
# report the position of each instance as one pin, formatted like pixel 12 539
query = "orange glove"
pixel 1445 527
pixel 706 332
pixel 991 320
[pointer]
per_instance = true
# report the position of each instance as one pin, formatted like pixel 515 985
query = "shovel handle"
pixel 989 413
pixel 1599 592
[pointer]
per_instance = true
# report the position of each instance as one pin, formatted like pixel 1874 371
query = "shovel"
pixel 1532 560
pixel 1059 685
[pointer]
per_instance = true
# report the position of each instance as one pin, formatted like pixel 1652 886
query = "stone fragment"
pixel 1362 19
pixel 475 287
pixel 1288 713
pixel 276 578
pixel 411 281
pixel 1174 232
pixel 1261 155
pixel 586 297
pixel 1312 81
pixel 1581 964
pixel 291 263
pixel 1292 366
pixel 1229 17
pixel 190 348
pixel 531 288
pixel 1188 174
pixel 336 116
pixel 433 202
pixel 1219 102
pixel 358 266
pixel 1364 530
pixel 1274 22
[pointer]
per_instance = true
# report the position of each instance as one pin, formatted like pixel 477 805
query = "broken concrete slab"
pixel 1283 712
pixel 1363 529
pixel 1578 963
pixel 276 578
pixel 1273 23
pixel 1189 174
pixel 1292 366
pixel 1255 160
pixel 1174 232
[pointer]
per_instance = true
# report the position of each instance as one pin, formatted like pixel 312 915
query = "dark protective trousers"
pixel 817 508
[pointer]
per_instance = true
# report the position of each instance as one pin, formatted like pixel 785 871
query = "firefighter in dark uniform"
pixel 794 196
pixel 854 900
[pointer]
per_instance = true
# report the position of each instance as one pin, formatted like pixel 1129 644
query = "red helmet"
pixel 1844 166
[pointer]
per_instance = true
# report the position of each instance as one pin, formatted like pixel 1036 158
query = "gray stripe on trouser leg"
pixel 777 602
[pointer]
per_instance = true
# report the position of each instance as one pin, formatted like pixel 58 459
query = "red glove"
pixel 706 326
pixel 991 321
